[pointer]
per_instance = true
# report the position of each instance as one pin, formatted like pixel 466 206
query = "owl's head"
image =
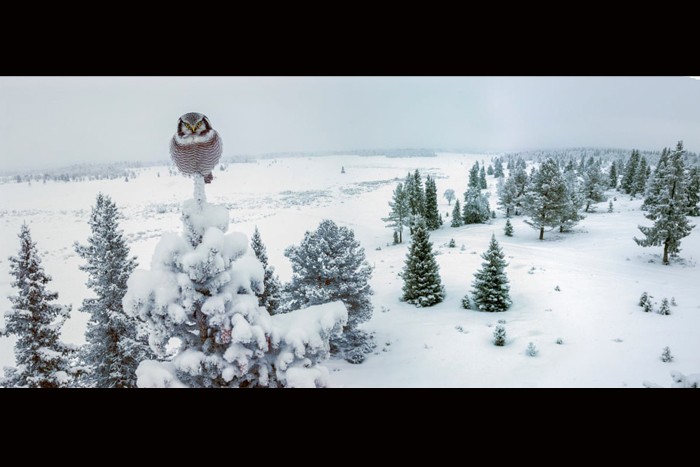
pixel 193 124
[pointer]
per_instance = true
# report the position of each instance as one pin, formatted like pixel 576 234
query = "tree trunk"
pixel 541 233
pixel 665 260
pixel 401 235
pixel 588 205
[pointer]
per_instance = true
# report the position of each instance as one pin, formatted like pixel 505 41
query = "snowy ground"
pixel 608 340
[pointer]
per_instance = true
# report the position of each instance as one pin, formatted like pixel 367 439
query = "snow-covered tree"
pixel 328 265
pixel 400 213
pixel 413 188
pixel 449 196
pixel 666 356
pixel 113 348
pixel 476 208
pixel 594 185
pixel 507 195
pixel 457 215
pixel 627 183
pixel 545 198
pixel 667 206
pixel 655 184
pixel 432 215
pixel 482 179
pixel 474 181
pixel 422 285
pixel 490 286
pixel 612 175
pixel 573 201
pixel 508 229
pixel 643 299
pixel 531 350
pixel 610 206
pixel 43 361
pixel 272 288
pixel 640 177
pixel 199 296
pixel 664 309
pixel 499 335
pixel 694 192
pixel 497 168
pixel 489 171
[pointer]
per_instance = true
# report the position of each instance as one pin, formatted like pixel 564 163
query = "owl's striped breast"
pixel 196 157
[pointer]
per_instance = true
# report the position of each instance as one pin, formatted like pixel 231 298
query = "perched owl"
pixel 196 146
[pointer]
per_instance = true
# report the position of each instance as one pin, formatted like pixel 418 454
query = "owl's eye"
pixel 199 124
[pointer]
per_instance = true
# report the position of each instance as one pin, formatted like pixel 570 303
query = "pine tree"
pixel 490 282
pixel 546 197
pixel 499 335
pixel 655 185
pixel 342 170
pixel 497 168
pixel 271 287
pixel 400 213
pixel 482 179
pixel 466 302
pixel 113 348
pixel 531 350
pixel 521 181
pixel 474 181
pixel 200 294
pixel 330 265
pixel 422 285
pixel 43 361
pixel 666 356
pixel 457 215
pixel 432 215
pixel 593 185
pixel 665 309
pixel 640 178
pixel 573 201
pixel 508 229
pixel 612 177
pixel 610 206
pixel 627 183
pixel 416 196
pixel 694 192
pixel 489 171
pixel 667 206
pixel 507 195
pixel 643 299
pixel 449 196
pixel 476 208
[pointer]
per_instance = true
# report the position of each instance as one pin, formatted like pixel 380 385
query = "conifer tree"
pixel 422 285
pixel 640 178
pixel 574 199
pixel 474 181
pixel 482 179
pixel 593 185
pixel 612 177
pixel 508 229
pixel 272 288
pixel 498 168
pixel 400 213
pixel 499 335
pixel 432 215
pixel 490 286
pixel 43 361
pixel 545 198
pixel 113 348
pixel 476 208
pixel 667 206
pixel 457 215
pixel 694 192
pixel 489 171
pixel 627 183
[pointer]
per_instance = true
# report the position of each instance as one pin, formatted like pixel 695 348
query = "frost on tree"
pixel 400 213
pixel 546 198
pixel 432 215
pixel 476 208
pixel 43 361
pixel 573 200
pixel 330 265
pixel 269 295
pixel 114 347
pixel 456 215
pixel 422 285
pixel 667 205
pixel 449 196
pixel 200 296
pixel 490 286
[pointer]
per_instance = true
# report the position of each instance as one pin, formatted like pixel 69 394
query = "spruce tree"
pixel 416 196
pixel 328 265
pixel 574 199
pixel 546 197
pixel 272 288
pixel 400 213
pixel 593 185
pixel 627 183
pixel 499 335
pixel 612 177
pixel 474 181
pixel 422 285
pixel 655 185
pixel 476 208
pixel 521 181
pixel 482 179
pixel 640 178
pixel 508 229
pixel 497 168
pixel 489 171
pixel 507 195
pixel 490 286
pixel 664 309
pixel 694 192
pixel 43 361
pixel 667 206
pixel 457 215
pixel 432 215
pixel 113 348
pixel 610 206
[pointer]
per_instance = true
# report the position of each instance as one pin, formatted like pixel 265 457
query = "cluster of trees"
pixel 412 200
pixel 133 316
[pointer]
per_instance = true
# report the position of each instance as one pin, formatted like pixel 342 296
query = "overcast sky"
pixel 48 122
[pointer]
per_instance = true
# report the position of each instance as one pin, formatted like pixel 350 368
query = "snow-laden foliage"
pixel 499 335
pixel 421 274
pixel 490 286
pixel 457 215
pixel 476 208
pixel 330 265
pixel 432 215
pixel 546 197
pixel 667 205
pixel 43 361
pixel 200 293
pixel 680 381
pixel 270 294
pixel 400 212
pixel 114 347
pixel 508 228
pixel 666 356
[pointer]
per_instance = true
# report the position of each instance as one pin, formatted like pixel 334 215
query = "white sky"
pixel 53 121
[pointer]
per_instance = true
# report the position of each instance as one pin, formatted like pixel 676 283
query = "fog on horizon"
pixel 55 121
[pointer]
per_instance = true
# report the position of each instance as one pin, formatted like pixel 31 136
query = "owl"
pixel 196 147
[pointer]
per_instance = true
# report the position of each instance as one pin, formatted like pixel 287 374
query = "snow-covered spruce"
pixel 499 335
pixel 421 274
pixel 508 229
pixel 466 302
pixel 666 356
pixel 43 361
pixel 574 199
pixel 199 291
pixel 476 208
pixel 270 295
pixel 667 203
pixel 457 215
pixel 531 350
pixel 400 213
pixel 490 286
pixel 545 198
pixel 664 309
pixel 114 347
pixel 643 299
pixel 432 215
pixel 328 265
pixel 679 381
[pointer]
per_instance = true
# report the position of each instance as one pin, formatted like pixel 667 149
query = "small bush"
pixel 664 309
pixel 452 243
pixel 531 350
pixel 499 336
pixel 557 288
pixel 466 303
pixel 560 341
pixel 666 356
pixel 643 299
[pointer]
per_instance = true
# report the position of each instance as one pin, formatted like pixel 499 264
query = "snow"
pixel 608 340
pixel 153 374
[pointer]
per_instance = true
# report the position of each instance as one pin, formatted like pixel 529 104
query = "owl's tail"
pixel 208 178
